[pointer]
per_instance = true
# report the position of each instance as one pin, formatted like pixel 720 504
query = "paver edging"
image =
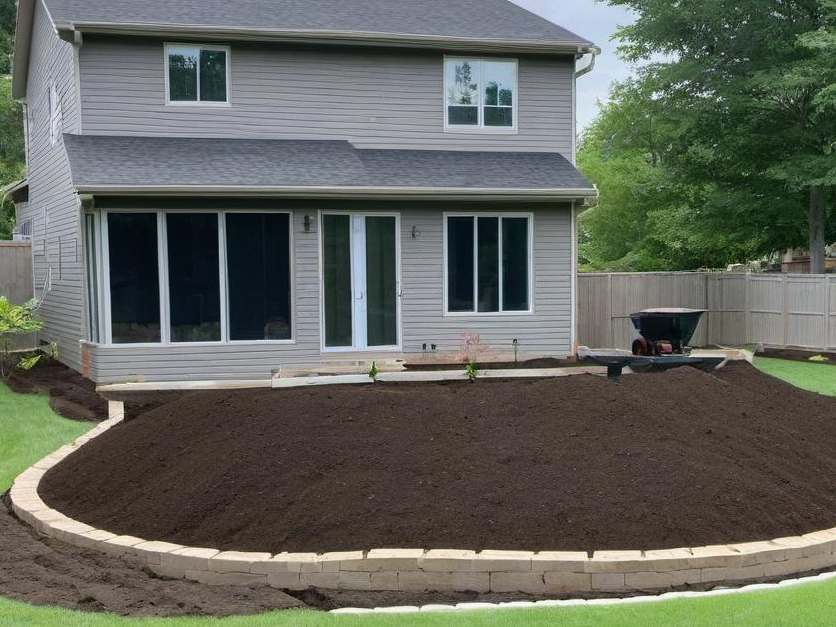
pixel 439 570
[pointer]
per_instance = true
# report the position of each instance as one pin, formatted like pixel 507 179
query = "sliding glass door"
pixel 360 281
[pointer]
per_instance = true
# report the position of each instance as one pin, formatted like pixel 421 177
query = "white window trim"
pixel 162 260
pixel 398 236
pixel 198 102
pixel 488 314
pixel 481 128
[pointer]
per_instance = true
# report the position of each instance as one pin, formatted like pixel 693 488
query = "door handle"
pixel 361 296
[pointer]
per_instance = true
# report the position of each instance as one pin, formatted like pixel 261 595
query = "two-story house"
pixel 217 190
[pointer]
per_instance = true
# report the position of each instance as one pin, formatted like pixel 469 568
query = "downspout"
pixel 593 54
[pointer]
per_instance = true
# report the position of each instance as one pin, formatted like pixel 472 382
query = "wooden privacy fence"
pixel 16 271
pixel 16 281
pixel 777 310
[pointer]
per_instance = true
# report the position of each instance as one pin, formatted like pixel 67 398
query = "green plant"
pixel 373 371
pixel 472 371
pixel 14 320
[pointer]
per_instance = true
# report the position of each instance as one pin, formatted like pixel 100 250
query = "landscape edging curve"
pixel 438 570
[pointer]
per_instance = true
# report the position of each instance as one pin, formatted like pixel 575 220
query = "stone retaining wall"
pixel 417 570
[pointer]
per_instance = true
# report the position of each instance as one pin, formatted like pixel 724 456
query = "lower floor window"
pixel 181 255
pixel 134 278
pixel 488 258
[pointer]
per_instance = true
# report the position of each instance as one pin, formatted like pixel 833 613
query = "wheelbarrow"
pixel 664 331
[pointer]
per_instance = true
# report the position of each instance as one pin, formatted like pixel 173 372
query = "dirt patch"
pixel 799 355
pixel 680 458
pixel 43 571
pixel 70 394
pixel 46 572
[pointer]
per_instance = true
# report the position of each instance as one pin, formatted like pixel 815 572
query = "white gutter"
pixel 289 191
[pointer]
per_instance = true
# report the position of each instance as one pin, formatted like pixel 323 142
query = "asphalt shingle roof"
pixel 474 19
pixel 99 161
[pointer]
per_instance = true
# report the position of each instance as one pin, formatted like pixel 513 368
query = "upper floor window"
pixel 197 74
pixel 480 93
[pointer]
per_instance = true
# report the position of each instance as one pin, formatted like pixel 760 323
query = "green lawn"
pixel 816 377
pixel 29 430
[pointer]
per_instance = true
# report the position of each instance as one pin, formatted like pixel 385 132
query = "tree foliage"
pixel 710 156
pixel 11 119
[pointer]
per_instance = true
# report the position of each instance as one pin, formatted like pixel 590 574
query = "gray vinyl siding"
pixel 374 98
pixel 545 332
pixel 53 204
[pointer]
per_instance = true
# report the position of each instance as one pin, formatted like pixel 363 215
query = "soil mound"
pixel 681 458
pixel 70 394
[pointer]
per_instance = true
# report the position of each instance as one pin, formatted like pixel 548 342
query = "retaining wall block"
pixel 446 560
pixel 333 562
pixel 667 560
pixel 348 580
pixel 327 580
pixel 752 553
pixel 151 552
pixel 188 558
pixel 285 581
pixel 121 545
pixel 660 580
pixel 68 530
pixel 608 582
pixel 713 575
pixel 289 563
pixel 386 580
pixel 615 562
pixel 503 561
pixel 798 547
pixel 212 578
pixel 530 583
pixel 567 583
pixel 236 561
pixel 379 560
pixel 92 539
pixel 562 561
pixel 716 556
pixel 436 581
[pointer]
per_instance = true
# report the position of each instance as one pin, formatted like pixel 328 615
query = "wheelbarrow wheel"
pixel 642 347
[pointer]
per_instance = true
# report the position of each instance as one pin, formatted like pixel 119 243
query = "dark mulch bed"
pixel 70 394
pixel 680 458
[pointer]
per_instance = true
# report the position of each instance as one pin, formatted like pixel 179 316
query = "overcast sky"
pixel 597 22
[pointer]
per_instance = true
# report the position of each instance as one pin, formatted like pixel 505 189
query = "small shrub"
pixel 373 371
pixel 472 371
pixel 15 320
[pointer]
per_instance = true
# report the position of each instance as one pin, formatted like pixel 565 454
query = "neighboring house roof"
pixel 310 168
pixel 18 191
pixel 489 25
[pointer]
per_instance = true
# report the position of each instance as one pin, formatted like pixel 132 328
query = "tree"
pixel 748 91
pixel 646 218
pixel 11 119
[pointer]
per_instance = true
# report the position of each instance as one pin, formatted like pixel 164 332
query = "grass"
pixel 816 377
pixel 29 430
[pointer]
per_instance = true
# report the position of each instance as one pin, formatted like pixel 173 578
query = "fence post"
pixel 610 314
pixel 786 316
pixel 827 287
